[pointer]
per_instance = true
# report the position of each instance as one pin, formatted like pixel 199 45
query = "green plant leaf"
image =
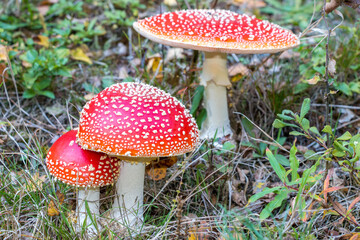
pixel 264 192
pixel 285 117
pixel 345 136
pixel 199 93
pixel 265 213
pixel 62 53
pixel 305 107
pixel 338 146
pixel 327 129
pixel 282 160
pixel 201 117
pixel 296 133
pixel 294 163
pixel 279 170
pixel 30 56
pixel 64 72
pixel 278 124
pixel 29 93
pixel 315 130
pixel 344 88
pixel 48 94
pixel 228 146
pixel 305 123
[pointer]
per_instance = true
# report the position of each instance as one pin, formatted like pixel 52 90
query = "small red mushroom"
pixel 137 123
pixel 89 170
pixel 216 32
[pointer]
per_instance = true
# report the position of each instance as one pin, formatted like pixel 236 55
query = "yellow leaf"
pixel 155 65
pixel 156 172
pixel 3 53
pixel 42 40
pixel 36 183
pixel 313 80
pixel 52 208
pixel 78 54
pixel 3 74
pixel 170 3
pixel 199 232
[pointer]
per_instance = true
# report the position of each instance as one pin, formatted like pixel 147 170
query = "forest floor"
pixel 290 171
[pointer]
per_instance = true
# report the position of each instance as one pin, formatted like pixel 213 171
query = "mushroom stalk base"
pixel 128 205
pixel 91 196
pixel 214 78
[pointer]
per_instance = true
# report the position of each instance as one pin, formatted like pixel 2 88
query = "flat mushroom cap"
pixel 138 121
pixel 216 31
pixel 71 164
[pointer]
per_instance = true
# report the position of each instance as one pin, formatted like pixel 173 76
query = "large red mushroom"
pixel 216 32
pixel 88 170
pixel 137 123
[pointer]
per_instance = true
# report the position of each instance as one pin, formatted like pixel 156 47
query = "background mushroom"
pixel 216 32
pixel 88 170
pixel 137 123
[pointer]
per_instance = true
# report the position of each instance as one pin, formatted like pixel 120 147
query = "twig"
pixel 336 106
pixel 328 164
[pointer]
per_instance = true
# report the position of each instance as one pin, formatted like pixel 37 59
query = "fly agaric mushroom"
pixel 137 123
pixel 88 170
pixel 216 32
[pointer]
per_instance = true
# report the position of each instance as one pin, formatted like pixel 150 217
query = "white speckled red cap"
pixel 216 31
pixel 73 165
pixel 137 120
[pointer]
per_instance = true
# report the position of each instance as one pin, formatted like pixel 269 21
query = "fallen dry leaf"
pixel 314 80
pixel 79 54
pixel 170 3
pixel 154 65
pixel 199 232
pixel 356 200
pixel 239 197
pixel 157 171
pixel 26 64
pixel 242 174
pixel 44 6
pixel 3 73
pixel 355 236
pixel 343 212
pixel 250 3
pixel 3 53
pixel 174 53
pixel 55 109
pixel 35 183
pixel 327 182
pixel 237 69
pixel 288 54
pixel 52 207
pixel 332 67
pixel 346 115
pixel 89 96
pixel 41 40
pixel 123 72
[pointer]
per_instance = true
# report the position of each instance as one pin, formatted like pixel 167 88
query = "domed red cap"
pixel 71 164
pixel 137 120
pixel 216 31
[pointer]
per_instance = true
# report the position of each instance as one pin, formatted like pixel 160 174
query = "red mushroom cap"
pixel 71 164
pixel 137 120
pixel 216 31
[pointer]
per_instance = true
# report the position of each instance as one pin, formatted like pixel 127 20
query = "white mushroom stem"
pixel 214 78
pixel 91 196
pixel 128 205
